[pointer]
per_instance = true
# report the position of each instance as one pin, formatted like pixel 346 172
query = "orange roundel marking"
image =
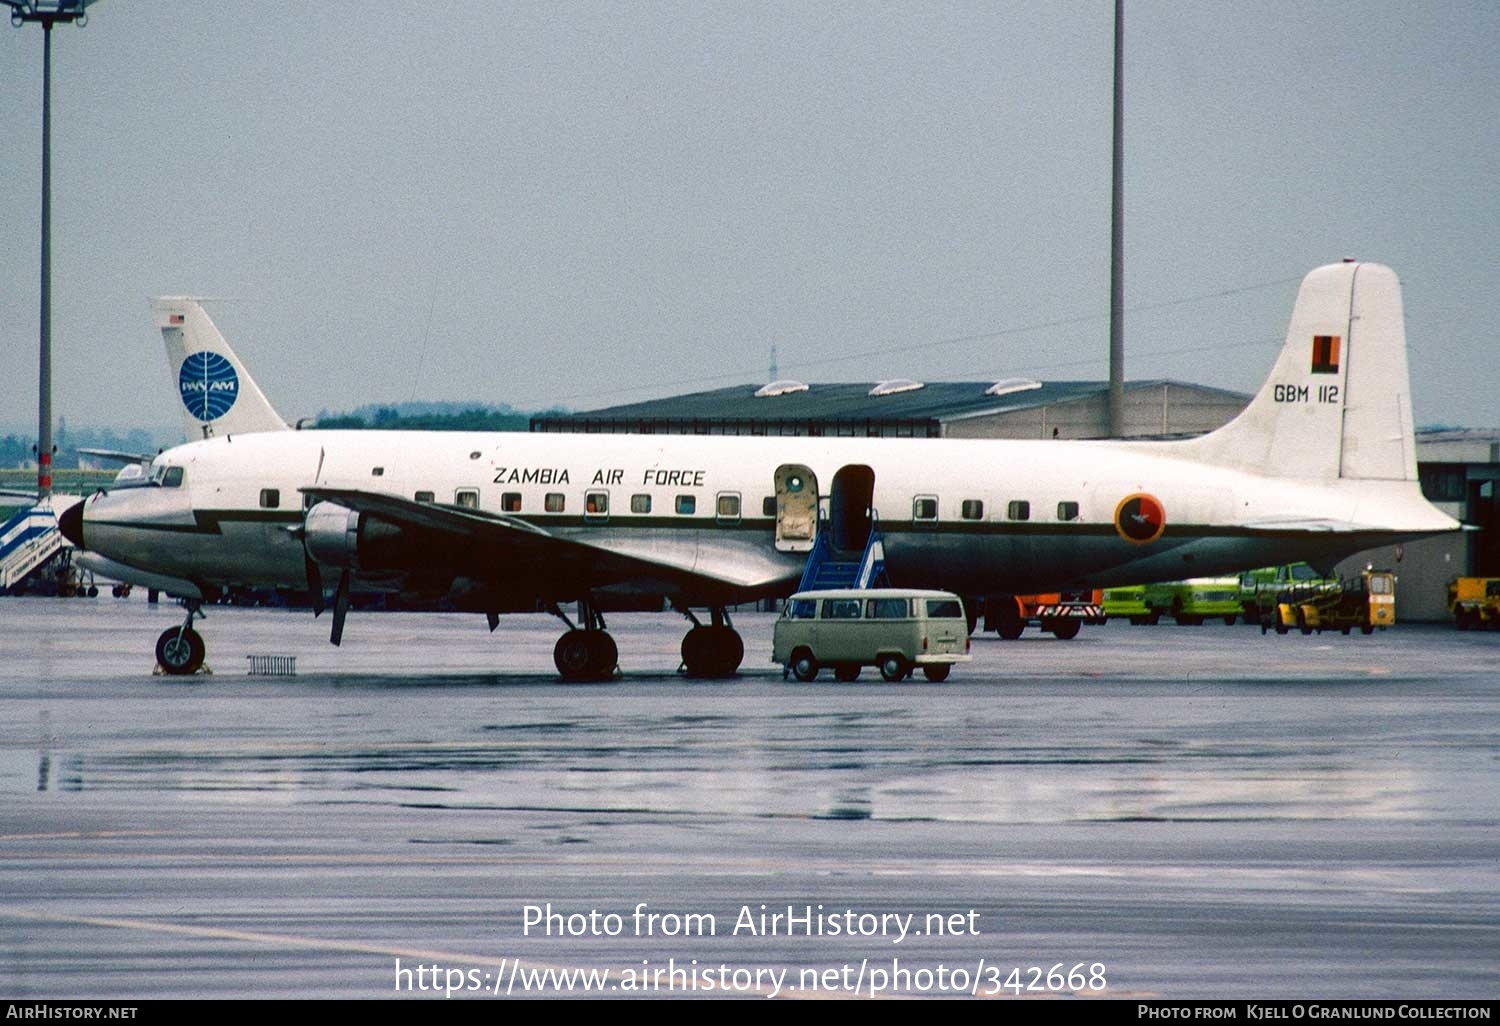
pixel 1140 518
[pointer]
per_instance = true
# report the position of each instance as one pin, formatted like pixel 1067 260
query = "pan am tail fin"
pixel 218 395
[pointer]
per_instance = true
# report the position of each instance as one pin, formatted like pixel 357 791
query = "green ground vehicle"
pixel 1260 589
pixel 1189 602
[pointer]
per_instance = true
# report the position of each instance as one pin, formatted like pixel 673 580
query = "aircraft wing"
pixel 525 548
pixel 116 456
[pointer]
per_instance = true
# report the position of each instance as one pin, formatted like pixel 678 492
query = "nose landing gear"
pixel 180 650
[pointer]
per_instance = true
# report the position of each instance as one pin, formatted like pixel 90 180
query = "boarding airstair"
pixel 829 568
pixel 29 540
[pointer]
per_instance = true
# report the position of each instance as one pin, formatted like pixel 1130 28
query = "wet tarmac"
pixel 1165 812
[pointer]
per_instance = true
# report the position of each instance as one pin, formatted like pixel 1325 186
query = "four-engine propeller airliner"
pixel 1320 465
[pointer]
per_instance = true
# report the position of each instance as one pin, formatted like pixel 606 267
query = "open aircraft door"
pixel 796 508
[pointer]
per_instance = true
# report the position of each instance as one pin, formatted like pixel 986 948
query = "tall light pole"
pixel 1117 241
pixel 48 13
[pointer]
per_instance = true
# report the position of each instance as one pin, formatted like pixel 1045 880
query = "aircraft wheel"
pixel 577 655
pixel 894 667
pixel 937 672
pixel 180 651
pixel 604 654
pixel 846 673
pixel 1229 620
pixel 804 666
pixel 712 651
pixel 1302 622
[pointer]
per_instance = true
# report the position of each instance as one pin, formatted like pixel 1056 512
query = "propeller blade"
pixel 315 586
pixel 340 608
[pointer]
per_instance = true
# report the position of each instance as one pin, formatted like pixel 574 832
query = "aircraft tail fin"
pixel 1338 401
pixel 219 397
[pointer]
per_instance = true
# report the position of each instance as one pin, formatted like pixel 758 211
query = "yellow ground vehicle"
pixel 1367 601
pixel 1475 602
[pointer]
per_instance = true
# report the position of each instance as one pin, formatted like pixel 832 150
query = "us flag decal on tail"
pixel 1325 354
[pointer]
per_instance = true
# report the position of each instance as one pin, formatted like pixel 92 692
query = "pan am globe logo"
pixel 208 385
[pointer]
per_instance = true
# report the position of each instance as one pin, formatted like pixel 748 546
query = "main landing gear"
pixel 714 650
pixel 180 650
pixel 587 653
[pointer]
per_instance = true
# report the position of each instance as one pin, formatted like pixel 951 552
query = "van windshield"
pixel 944 609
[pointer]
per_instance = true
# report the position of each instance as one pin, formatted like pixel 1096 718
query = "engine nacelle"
pixel 330 533
pixel 335 535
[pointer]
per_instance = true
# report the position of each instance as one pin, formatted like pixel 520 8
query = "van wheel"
pixel 936 672
pixel 804 666
pixel 894 667
pixel 846 673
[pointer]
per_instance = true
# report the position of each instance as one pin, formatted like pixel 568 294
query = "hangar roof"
pixel 934 400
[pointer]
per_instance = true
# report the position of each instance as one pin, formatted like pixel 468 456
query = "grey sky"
pixel 601 203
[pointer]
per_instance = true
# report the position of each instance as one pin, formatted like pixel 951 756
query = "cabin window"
pixel 596 504
pixel 554 502
pixel 802 609
pixel 1019 509
pixel 424 497
pixel 887 609
pixel 687 504
pixel 924 507
pixel 640 504
pixel 768 506
pixel 841 609
pixel 972 509
pixel 172 478
pixel 510 502
pixel 377 471
pixel 727 508
pixel 270 498
pixel 468 498
pixel 1067 511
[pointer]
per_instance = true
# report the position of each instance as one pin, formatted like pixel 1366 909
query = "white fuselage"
pixel 948 510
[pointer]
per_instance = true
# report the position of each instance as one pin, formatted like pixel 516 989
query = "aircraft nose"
pixel 71 524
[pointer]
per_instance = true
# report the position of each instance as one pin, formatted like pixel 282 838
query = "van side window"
pixel 1067 511
pixel 802 609
pixel 972 509
pixel 924 507
pixel 1019 509
pixel 887 609
pixel 841 609
pixel 944 609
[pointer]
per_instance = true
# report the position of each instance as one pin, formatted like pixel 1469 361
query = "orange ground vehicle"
pixel 1061 614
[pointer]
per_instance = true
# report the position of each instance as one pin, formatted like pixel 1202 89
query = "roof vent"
pixel 895 385
pixel 783 387
pixel 1005 386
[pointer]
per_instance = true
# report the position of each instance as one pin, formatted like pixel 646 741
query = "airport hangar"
pixel 1458 468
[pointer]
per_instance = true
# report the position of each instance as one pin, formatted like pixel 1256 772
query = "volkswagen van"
pixel 892 629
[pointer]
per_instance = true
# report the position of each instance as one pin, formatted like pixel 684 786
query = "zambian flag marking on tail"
pixel 1325 354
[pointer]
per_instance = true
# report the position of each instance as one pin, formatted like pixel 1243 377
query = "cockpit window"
pixel 172 478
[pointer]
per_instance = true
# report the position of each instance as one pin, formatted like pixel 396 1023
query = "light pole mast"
pixel 1117 241
pixel 48 13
